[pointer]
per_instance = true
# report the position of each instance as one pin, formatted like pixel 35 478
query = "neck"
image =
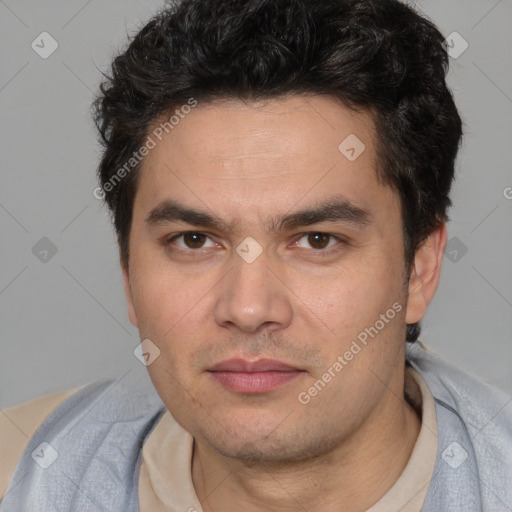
pixel 352 476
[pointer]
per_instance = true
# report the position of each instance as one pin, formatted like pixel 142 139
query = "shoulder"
pixel 101 426
pixel 17 426
pixel 482 411
pixel 470 396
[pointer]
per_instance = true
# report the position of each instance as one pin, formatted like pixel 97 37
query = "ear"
pixel 128 294
pixel 425 274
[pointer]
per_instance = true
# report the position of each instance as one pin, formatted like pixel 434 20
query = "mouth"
pixel 253 377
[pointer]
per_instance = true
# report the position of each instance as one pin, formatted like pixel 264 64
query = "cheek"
pixel 172 311
pixel 160 301
pixel 351 297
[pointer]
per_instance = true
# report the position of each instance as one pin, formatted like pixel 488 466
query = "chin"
pixel 251 447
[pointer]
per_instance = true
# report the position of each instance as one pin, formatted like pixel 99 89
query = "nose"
pixel 251 298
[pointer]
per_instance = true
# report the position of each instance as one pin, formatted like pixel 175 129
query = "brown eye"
pixel 318 240
pixel 190 240
pixel 194 240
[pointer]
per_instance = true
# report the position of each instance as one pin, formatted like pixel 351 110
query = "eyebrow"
pixel 331 210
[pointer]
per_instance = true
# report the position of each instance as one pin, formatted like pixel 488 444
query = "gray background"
pixel 63 321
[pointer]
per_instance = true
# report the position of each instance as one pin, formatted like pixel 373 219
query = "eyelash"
pixel 169 240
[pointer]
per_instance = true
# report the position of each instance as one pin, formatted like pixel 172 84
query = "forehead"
pixel 236 157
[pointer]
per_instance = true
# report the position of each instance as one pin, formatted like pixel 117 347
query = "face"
pixel 266 262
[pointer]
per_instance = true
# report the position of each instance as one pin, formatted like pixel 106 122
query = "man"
pixel 278 174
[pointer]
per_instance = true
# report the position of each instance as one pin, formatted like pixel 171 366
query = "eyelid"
pixel 341 240
pixel 167 240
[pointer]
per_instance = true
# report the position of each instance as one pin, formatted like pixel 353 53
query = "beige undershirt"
pixel 165 478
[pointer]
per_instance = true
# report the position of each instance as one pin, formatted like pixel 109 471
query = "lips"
pixel 253 377
pixel 262 365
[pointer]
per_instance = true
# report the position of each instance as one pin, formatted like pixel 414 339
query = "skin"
pixel 250 162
